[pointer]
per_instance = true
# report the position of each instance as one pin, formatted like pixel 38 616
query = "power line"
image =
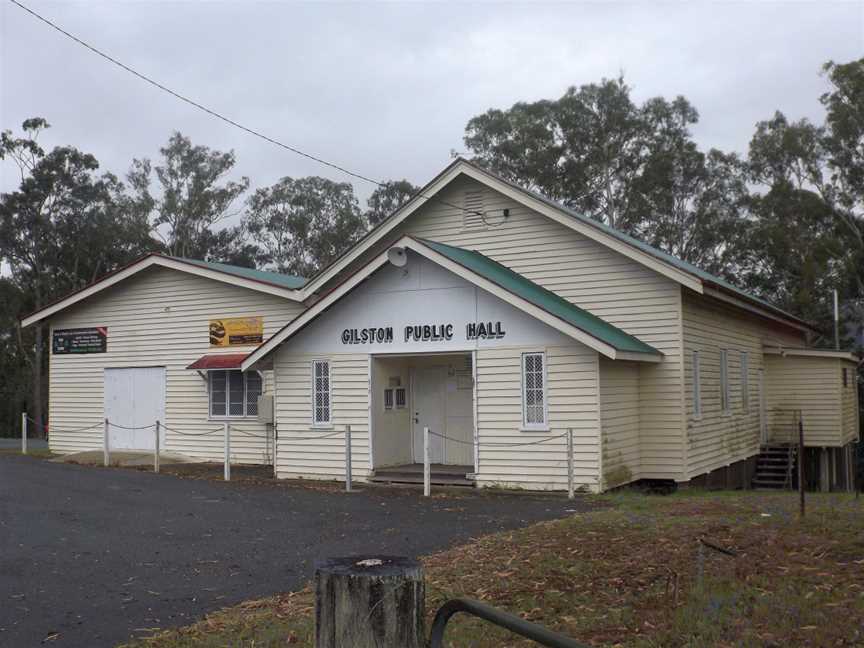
pixel 225 119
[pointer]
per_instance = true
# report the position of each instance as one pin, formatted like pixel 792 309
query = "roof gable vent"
pixel 472 206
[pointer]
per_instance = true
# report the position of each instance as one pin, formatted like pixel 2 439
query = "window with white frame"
pixel 724 381
pixel 697 386
pixel 234 394
pixel 745 381
pixel 534 390
pixel 321 392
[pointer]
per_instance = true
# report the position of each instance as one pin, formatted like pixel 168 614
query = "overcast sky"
pixel 386 89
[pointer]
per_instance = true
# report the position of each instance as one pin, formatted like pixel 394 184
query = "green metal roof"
pixel 275 278
pixel 542 298
pixel 680 264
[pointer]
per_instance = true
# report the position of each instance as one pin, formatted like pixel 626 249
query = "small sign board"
pixel 80 340
pixel 234 331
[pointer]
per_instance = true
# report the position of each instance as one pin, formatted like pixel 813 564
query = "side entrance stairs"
pixel 775 467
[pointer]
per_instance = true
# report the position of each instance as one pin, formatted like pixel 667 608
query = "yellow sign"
pixel 234 331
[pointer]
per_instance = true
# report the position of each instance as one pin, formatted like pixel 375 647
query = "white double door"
pixel 134 398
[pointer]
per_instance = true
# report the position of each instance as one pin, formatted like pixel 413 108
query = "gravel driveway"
pixel 99 555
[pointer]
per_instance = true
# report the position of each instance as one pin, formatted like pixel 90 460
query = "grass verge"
pixel 628 575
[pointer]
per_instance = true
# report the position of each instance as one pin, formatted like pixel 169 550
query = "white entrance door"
pixel 429 412
pixel 134 398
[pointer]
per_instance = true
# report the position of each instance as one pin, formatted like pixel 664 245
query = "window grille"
pixel 233 393
pixel 321 392
pixel 533 390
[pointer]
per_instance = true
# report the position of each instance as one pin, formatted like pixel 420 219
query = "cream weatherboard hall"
pixel 483 311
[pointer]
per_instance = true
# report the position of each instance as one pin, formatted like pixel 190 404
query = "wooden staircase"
pixel 775 467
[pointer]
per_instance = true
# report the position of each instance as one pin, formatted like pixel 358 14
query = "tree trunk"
pixel 375 602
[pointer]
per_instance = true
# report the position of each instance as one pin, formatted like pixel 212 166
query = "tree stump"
pixel 369 602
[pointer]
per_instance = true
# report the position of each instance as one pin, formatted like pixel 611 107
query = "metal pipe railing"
pixel 511 622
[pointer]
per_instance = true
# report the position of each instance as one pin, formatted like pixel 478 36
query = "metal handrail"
pixel 511 622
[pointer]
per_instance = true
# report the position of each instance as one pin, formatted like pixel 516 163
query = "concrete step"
pixel 414 477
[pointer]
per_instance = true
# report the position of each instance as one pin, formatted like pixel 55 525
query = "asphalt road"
pixel 14 443
pixel 97 555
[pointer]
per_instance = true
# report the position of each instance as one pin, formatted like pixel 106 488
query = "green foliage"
pixel 387 198
pixel 785 223
pixel 61 229
pixel 193 197
pixel 303 224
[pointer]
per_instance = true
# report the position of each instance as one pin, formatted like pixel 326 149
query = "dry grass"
pixel 628 576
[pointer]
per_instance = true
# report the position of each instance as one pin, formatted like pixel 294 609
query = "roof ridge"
pixel 296 281
pixel 681 264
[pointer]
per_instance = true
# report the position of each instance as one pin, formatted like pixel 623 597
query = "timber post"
pixel 156 452
pixel 369 602
pixel 24 433
pixel 570 486
pixel 106 450
pixel 801 462
pixel 226 430
pixel 348 477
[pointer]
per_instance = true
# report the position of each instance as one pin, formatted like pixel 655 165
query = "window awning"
pixel 219 361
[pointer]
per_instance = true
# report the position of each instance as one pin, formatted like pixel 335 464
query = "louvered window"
pixel 321 392
pixel 472 214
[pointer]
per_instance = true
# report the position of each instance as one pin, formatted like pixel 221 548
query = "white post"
pixel 347 458
pixel 227 430
pixel 275 432
pixel 156 455
pixel 427 469
pixel 23 432
pixel 106 457
pixel 570 489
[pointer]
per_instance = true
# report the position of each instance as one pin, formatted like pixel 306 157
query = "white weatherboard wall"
pixel 619 399
pixel 849 402
pixel 424 293
pixel 159 318
pixel 718 439
pixel 811 384
pixel 590 275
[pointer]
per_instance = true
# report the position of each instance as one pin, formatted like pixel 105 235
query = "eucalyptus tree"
pixel 193 197
pixel 61 229
pixel 303 224
pixel 387 198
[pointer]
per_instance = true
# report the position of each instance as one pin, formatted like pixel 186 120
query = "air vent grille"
pixel 472 216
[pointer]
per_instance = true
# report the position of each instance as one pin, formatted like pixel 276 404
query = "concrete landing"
pixel 123 458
